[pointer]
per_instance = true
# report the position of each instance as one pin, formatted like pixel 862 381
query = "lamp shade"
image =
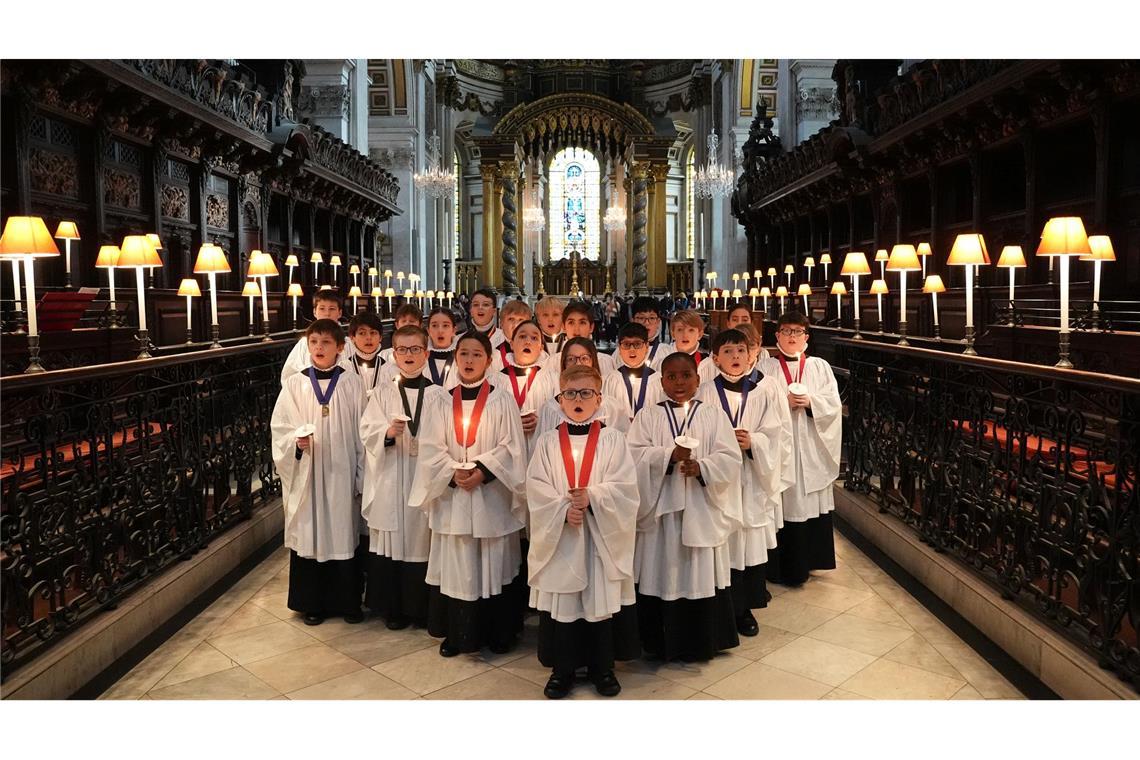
pixel 781 292
pixel 389 292
pixel 758 274
pixel 771 271
pixel 789 269
pixel 735 293
pixel 903 259
pixel 137 251
pixel 334 260
pixel 765 291
pixel 879 286
pixel 809 262
pixel 67 231
pixel 838 288
pixel 316 258
pixel 805 290
pixel 1011 257
pixel 251 288
pixel 378 291
pixel 1064 236
pixel 373 272
pixel 387 272
pixel 855 263
pixel 969 249
pixel 291 260
pixel 933 284
pixel 1101 248
pixel 355 292
pixel 108 256
pixel 326 287
pixel 923 249
pixel 295 290
pixel 409 293
pixel 754 292
pixel 211 258
pixel 189 287
pixel 153 238
pixel 27 236
pixel 825 258
pixel 354 269
pixel 882 255
pixel 399 275
pixel 261 265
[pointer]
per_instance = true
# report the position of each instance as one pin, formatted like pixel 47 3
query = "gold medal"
pixel 414 448
pixel 324 410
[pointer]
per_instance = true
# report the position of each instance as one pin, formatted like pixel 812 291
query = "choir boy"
pixel 441 354
pixel 635 385
pixel 760 420
pixel 805 541
pixel 687 329
pixel 406 315
pixel 582 495
pixel 738 315
pixel 365 332
pixel 519 377
pixel 320 460
pixel 645 312
pixel 398 535
pixel 483 313
pixel 688 477
pixel 471 468
pixel 577 352
pixel 326 305
pixel 578 322
pixel 511 316
pixel 548 313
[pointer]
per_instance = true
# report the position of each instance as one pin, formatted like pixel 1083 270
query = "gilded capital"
pixel 509 170
pixel 659 171
pixel 488 171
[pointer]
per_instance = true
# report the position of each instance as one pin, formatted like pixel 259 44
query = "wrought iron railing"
pixel 1110 316
pixel 111 473
pixel 1028 474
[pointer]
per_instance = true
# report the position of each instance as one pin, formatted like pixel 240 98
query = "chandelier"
pixel 614 219
pixel 533 218
pixel 435 181
pixel 713 180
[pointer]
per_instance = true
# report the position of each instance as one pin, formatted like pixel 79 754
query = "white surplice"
pixel 683 527
pixel 475 548
pixel 766 470
pixel 319 490
pixel 606 363
pixel 614 388
pixel 582 572
pixel 395 528
pixel 610 412
pixel 817 438
pixel 668 349
pixel 299 359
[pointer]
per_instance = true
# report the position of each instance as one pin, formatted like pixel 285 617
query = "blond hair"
pixel 687 317
pixel 579 372
pixel 549 303
pixel 750 332
pixel 514 307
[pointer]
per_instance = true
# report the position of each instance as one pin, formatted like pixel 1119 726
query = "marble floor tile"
pixel 153 668
pixel 860 634
pixel 841 694
pixel 925 623
pixel 700 675
pixel 535 672
pixel 760 681
pixel 819 660
pixel 494 684
pixel 426 671
pixel 374 646
pixel 334 627
pixel 202 661
pixel 359 684
pixel 841 576
pixel 793 616
pixel 277 604
pixel 877 609
pixel 703 695
pixel 968 692
pixel 261 642
pixel 633 686
pixel 249 615
pixel 884 679
pixel 918 653
pixel 977 672
pixel 299 668
pixel 829 596
pixel 235 683
pixel 767 641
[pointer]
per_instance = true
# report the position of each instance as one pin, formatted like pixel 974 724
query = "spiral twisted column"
pixel 640 274
pixel 508 178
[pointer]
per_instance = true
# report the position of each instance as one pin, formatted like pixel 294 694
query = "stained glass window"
pixel 690 203
pixel 575 218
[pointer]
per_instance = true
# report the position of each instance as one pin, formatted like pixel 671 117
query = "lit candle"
pixel 213 297
pixel 16 284
pixel 141 295
pixel 30 294
pixel 465 422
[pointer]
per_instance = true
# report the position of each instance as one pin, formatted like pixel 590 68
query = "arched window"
pixel 575 219
pixel 690 203
pixel 456 209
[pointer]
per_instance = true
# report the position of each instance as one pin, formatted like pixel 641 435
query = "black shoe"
pixel 501 647
pixel 607 684
pixel 447 649
pixel 311 618
pixel 558 686
pixel 746 624
pixel 352 618
pixel 397 622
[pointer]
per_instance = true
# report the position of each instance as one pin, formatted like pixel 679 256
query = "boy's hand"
pixel 529 422
pixel 680 454
pixel 575 516
pixel 579 499
pixel 304 443
pixel 689 468
pixel 396 429
pixel 744 439
pixel 469 480
pixel 799 402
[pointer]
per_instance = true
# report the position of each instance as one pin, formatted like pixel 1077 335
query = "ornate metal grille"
pixel 1028 474
pixel 111 473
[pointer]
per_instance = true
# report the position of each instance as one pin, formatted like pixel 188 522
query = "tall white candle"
pixel 251 315
pixel 1064 292
pixel 970 295
pixel 188 325
pixel 935 296
pixel 67 255
pixel 30 295
pixel 1011 271
pixel 295 308
pixel 111 283
pixel 265 302
pixel 923 268
pixel 1096 285
pixel 855 279
pixel 213 298
pixel 879 309
pixel 142 297
pixel 902 296
pixel 16 283
pixel 839 306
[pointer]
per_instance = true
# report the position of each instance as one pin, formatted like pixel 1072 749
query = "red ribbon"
pixel 520 399
pixel 788 374
pixel 476 413
pixel 587 457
